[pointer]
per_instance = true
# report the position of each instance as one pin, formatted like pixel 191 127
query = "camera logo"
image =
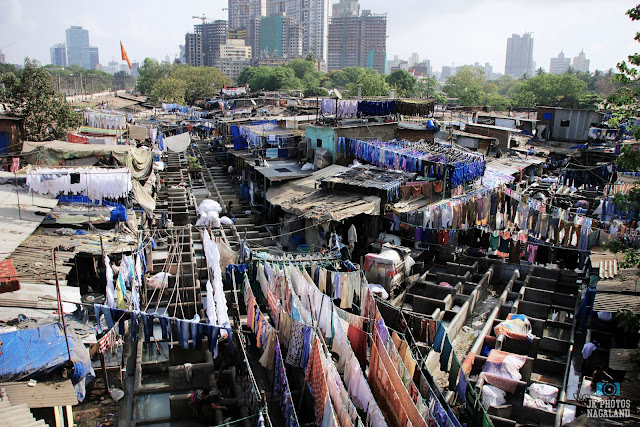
pixel 608 389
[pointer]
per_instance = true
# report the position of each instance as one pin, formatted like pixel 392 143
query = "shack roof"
pixel 368 176
pixel 17 223
pixel 33 259
pixel 45 394
pixel 304 198
pixel 502 128
pixel 473 135
pixel 280 170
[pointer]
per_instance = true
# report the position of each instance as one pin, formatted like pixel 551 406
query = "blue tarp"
pixel 29 353
pixel 86 200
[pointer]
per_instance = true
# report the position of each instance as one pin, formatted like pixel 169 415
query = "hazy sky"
pixel 446 32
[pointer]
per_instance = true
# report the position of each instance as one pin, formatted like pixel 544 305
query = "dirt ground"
pixel 98 409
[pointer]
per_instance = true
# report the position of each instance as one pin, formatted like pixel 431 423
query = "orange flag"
pixel 125 57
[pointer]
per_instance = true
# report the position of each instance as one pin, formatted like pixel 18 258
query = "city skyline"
pixel 26 27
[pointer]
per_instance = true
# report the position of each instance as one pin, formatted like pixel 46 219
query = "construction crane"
pixel 204 18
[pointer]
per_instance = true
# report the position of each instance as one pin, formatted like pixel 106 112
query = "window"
pixel 319 143
pixel 564 123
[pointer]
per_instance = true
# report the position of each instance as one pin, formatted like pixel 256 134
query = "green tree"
pixel 427 87
pixel 590 101
pixel 373 84
pixel 315 91
pixel 150 72
pixel 306 72
pixel 554 90
pixel 8 68
pixel 341 78
pixel 540 71
pixel 302 67
pixel 202 82
pixel 505 83
pixel 497 101
pixel 524 99
pixel 31 96
pixel 169 90
pixel 466 85
pixel 275 78
pixel 403 82
pixel 246 75
pixel 625 102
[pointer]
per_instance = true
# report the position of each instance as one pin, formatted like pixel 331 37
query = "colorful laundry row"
pixel 433 160
pixel 438 339
pixel 189 333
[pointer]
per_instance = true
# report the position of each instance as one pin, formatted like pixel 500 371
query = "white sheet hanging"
pixel 178 143
pixel 213 262
pixel 95 183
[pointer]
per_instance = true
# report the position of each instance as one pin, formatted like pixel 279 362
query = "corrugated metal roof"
pixel 18 223
pixel 42 395
pixel 17 415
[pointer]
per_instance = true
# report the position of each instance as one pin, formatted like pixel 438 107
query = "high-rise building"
pixel 241 12
pixel 213 35
pixel 488 71
pixel 134 69
pixel 345 8
pixel 2 57
pixel 242 21
pixel 235 55
pixel 357 40
pixel 422 68
pixel 193 49
pixel 414 59
pixel 235 48
pixel 58 54
pixel 373 45
pixel 519 60
pixel 280 36
pixel 581 63
pixel 78 50
pixel 94 57
pixel 560 64
pixel 202 47
pixel 447 72
pixel 313 16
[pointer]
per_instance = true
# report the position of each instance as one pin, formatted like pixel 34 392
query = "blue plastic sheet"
pixel 29 353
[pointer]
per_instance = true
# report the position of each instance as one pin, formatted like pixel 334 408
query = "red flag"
pixel 125 57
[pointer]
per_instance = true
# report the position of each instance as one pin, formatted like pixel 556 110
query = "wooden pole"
pixel 17 195
pixel 60 312
pixel 104 372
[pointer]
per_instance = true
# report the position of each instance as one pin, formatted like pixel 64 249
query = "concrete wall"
pixel 579 122
pixel 321 137
pixel 503 136
pixel 415 135
pixel 327 137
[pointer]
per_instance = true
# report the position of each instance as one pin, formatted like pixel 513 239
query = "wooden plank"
pixel 620 359
pixel 69 411
pixel 42 395
pixel 33 295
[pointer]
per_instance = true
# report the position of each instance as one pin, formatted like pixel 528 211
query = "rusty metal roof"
pixel 45 394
